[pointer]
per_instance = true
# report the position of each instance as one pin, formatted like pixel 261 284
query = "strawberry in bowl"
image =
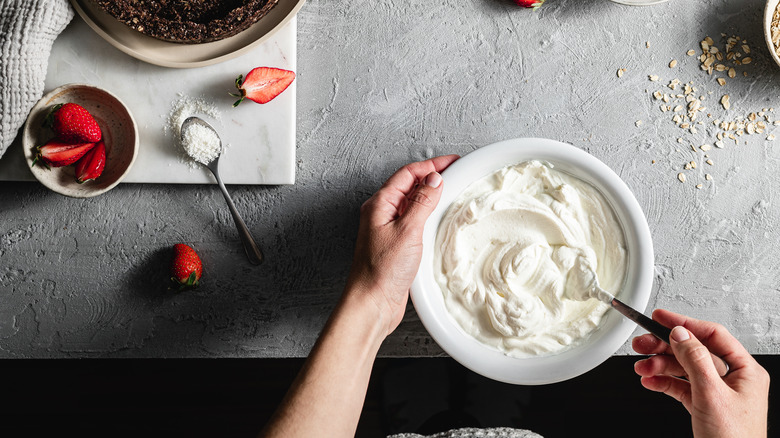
pixel 80 140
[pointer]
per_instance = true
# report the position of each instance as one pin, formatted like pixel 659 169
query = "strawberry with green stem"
pixel 186 267
pixel 73 124
pixel 529 3
pixel 262 84
pixel 56 153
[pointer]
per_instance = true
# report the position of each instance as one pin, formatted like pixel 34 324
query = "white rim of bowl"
pixel 601 344
pixel 769 12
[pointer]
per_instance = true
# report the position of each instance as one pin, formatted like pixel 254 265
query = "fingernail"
pixel 433 180
pixel 679 334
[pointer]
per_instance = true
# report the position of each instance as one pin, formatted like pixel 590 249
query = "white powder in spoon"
pixel 183 108
pixel 201 143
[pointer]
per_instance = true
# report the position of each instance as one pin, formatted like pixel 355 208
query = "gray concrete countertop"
pixel 386 82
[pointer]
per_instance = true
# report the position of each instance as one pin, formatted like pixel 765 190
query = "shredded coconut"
pixel 185 107
pixel 201 143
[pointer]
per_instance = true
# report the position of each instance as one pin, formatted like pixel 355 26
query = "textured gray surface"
pixel 382 83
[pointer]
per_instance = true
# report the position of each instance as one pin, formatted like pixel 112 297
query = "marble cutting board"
pixel 259 139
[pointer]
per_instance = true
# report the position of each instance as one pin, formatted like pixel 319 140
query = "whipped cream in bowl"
pixel 524 231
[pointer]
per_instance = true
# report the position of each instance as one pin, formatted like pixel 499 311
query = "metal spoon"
pixel 250 247
pixel 659 331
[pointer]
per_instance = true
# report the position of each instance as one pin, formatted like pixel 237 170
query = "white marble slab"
pixel 259 139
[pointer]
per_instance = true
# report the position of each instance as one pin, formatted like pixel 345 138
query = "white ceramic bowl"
pixel 120 136
pixel 769 11
pixel 614 329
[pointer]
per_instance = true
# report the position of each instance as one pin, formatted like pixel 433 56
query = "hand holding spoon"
pixel 584 279
pixel 202 144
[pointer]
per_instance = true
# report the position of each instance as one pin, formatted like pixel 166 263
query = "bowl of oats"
pixel 772 28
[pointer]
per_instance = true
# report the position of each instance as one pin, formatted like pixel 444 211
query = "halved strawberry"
pixel 91 165
pixel 56 153
pixel 262 84
pixel 73 124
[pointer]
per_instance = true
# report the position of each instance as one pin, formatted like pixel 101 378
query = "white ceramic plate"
pixel 168 54
pixel 614 330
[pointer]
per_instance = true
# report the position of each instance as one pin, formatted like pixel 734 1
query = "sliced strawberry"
pixel 73 124
pixel 56 153
pixel 263 84
pixel 91 165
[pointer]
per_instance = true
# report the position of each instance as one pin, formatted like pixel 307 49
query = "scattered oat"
pixel 721 81
pixel 705 147
pixel 770 137
pixel 725 102
pixel 710 162
pixel 708 177
pixel 690 52
pixel 700 185
pixel 673 63
pixel 647 44
pixel 638 122
pixel 620 72
pixel 653 78
pixel 681 177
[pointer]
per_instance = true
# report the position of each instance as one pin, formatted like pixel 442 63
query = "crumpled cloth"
pixel 28 29
pixel 470 432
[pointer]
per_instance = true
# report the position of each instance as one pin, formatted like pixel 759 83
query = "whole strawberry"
pixel 72 123
pixel 186 267
pixel 529 3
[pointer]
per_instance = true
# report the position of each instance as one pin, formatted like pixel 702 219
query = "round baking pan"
pixel 177 55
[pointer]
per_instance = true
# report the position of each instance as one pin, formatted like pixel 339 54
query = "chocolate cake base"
pixel 188 21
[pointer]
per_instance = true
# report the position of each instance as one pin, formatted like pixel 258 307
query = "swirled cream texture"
pixel 517 256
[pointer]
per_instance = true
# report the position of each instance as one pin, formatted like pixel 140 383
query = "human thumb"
pixel 423 200
pixel 694 357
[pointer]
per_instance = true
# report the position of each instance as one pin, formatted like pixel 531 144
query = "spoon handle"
pixel 659 331
pixel 250 247
pixel 654 327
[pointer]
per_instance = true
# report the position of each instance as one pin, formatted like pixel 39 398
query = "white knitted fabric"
pixel 498 432
pixel 27 30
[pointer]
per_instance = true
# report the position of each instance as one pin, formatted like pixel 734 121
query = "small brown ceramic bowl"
pixel 120 136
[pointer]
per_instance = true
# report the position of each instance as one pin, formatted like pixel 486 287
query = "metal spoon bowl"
pixel 250 247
